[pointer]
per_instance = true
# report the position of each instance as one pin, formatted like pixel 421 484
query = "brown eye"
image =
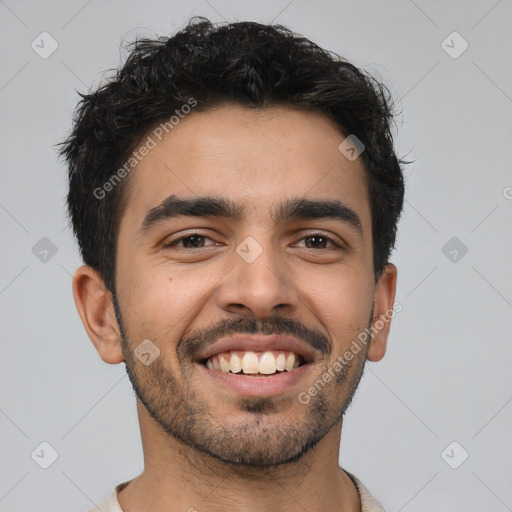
pixel 319 241
pixel 316 242
pixel 192 241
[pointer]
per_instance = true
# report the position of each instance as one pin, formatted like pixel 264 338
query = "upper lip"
pixel 253 343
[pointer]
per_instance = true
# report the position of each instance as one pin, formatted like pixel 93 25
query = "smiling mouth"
pixel 254 364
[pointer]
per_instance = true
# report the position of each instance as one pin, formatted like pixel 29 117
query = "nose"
pixel 258 283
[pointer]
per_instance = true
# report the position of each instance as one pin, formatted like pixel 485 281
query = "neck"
pixel 177 477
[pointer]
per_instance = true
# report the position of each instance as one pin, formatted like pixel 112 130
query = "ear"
pixel 94 304
pixel 382 311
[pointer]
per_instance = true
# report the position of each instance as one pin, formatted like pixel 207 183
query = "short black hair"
pixel 246 63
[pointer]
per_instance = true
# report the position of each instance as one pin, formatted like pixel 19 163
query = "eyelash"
pixel 174 243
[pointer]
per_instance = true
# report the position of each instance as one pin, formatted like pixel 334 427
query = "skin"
pixel 257 158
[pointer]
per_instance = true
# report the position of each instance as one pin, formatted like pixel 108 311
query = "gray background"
pixel 446 376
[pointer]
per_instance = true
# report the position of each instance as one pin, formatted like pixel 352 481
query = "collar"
pixel 368 502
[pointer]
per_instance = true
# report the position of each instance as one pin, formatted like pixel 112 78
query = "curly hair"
pixel 246 63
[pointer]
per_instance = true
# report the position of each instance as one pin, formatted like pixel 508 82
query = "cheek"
pixel 166 299
pixel 342 302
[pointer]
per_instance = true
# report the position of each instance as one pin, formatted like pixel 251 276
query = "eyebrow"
pixel 211 206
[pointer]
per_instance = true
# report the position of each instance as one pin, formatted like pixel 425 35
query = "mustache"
pixel 202 338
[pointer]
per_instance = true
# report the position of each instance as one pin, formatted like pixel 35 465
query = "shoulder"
pixel 368 502
pixel 111 504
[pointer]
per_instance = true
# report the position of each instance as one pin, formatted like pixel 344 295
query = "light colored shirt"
pixel 368 502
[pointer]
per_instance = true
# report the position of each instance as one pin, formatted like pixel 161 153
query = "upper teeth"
pixel 253 362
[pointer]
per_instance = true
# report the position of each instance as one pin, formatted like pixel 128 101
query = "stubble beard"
pixel 263 436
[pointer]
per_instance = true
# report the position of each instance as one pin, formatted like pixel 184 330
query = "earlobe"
pixel 383 312
pixel 94 304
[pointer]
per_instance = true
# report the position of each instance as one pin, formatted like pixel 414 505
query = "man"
pixel 235 195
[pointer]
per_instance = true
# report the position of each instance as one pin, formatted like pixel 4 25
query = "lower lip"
pixel 256 386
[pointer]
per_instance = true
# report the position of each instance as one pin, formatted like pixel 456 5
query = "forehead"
pixel 257 157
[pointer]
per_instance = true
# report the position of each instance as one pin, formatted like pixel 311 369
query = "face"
pixel 219 283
